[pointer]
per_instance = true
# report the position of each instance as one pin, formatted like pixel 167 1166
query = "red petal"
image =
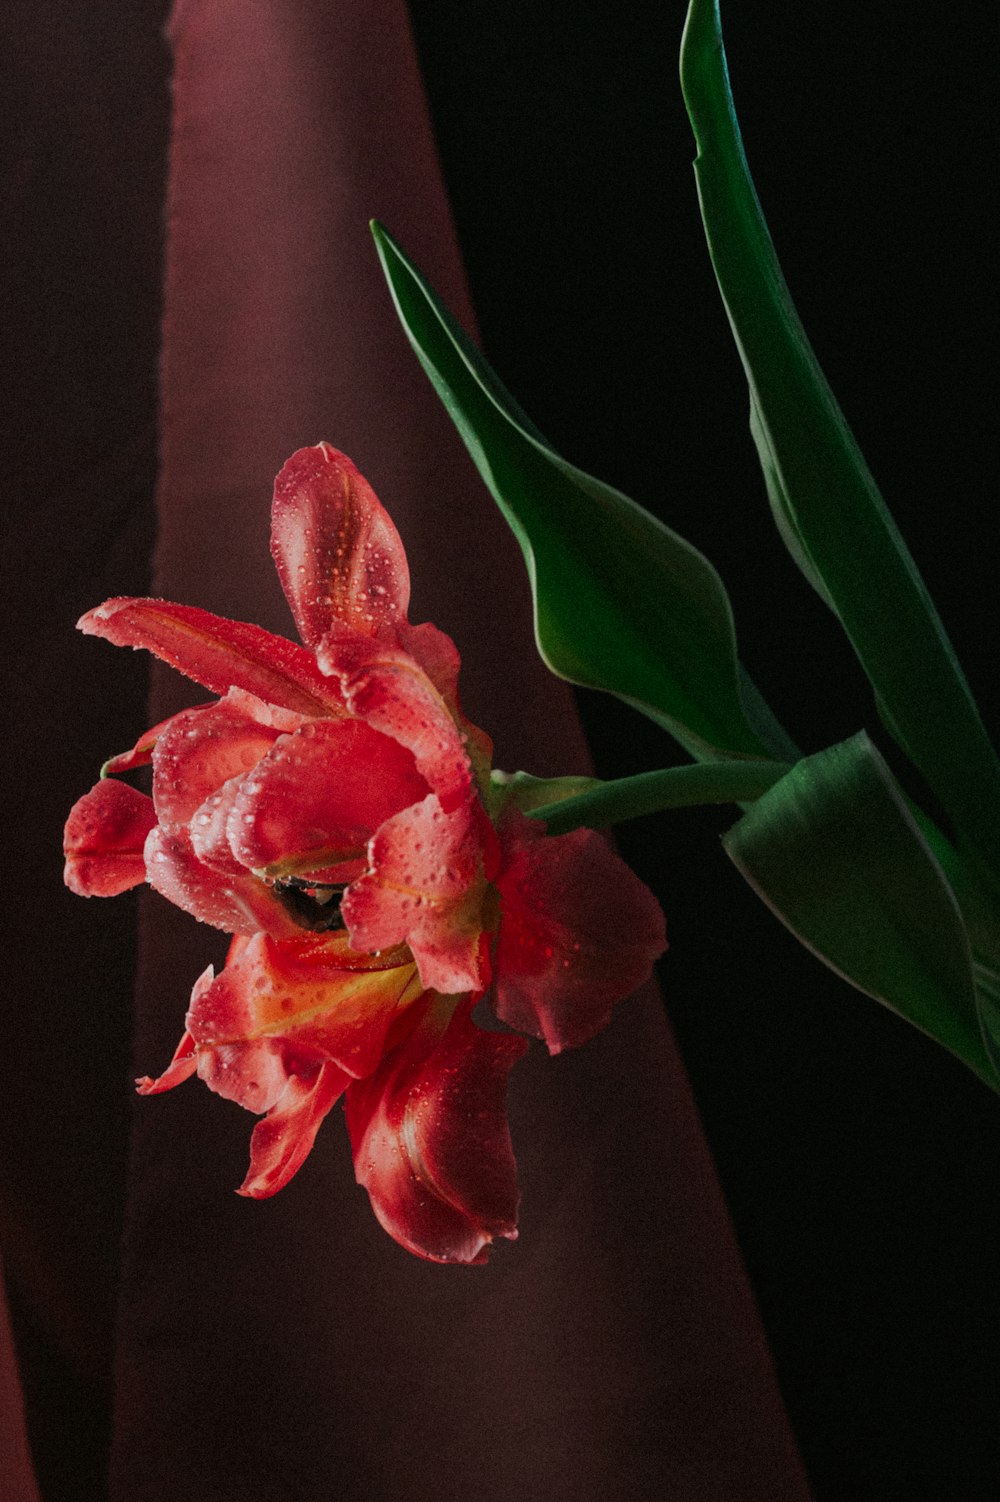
pixel 104 839
pixel 181 1066
pixel 425 887
pixel 209 829
pixel 436 653
pixel 252 1071
pixel 200 749
pixel 283 1140
pixel 339 557
pixel 236 904
pixel 141 753
pixel 311 998
pixel 431 1142
pixel 438 656
pixel 315 799
pixel 579 931
pixel 387 688
pixel 217 652
pixel 252 1074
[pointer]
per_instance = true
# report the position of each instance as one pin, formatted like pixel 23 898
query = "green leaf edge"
pixel 922 693
pixel 977 1050
pixel 750 729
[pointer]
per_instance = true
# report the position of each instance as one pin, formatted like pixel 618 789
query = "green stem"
pixel 672 787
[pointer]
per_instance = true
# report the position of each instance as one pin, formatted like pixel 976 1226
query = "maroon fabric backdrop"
pixel 289 1350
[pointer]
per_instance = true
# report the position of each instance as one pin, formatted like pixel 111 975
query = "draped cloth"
pixel 288 1350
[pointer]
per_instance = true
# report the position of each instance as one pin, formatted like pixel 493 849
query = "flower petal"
pixel 425 887
pixel 579 931
pixel 430 1137
pixel 183 1064
pixel 217 652
pixel 387 688
pixel 236 904
pixel 209 829
pixel 141 753
pixel 312 998
pixel 104 838
pixel 200 749
pixel 318 795
pixel 436 653
pixel 281 1142
pixel 339 557
pixel 438 656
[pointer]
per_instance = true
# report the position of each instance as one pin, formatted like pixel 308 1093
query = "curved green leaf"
pixel 607 803
pixel 827 506
pixel 988 1006
pixel 622 603
pixel 835 853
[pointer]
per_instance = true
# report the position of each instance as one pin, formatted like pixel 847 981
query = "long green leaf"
pixel 835 853
pixel 828 509
pixel 622 603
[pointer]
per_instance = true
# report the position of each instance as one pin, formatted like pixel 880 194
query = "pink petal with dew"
pixel 141 753
pixel 435 653
pixel 218 653
pixel 386 687
pixel 578 932
pixel 312 997
pixel 236 904
pixel 317 796
pixel 430 1137
pixel 104 838
pixel 209 829
pixel 252 1072
pixel 438 656
pixel 200 749
pixel 281 1142
pixel 425 887
pixel 183 1064
pixel 339 557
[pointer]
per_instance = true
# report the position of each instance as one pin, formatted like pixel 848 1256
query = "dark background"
pixel 860 1163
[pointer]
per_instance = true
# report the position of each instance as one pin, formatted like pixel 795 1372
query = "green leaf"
pixel 606 803
pixel 988 1007
pixel 622 603
pixel 828 509
pixel 527 793
pixel 835 853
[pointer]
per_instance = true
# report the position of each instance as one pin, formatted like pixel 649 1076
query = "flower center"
pixel 312 905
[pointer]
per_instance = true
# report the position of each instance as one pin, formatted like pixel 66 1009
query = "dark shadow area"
pixel 860 1163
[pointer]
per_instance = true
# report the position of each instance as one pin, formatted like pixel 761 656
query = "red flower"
pixel 329 809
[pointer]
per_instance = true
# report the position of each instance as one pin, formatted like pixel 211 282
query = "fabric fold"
pixel 266 1348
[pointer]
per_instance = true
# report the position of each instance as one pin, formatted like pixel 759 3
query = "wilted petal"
pixel 236 904
pixel 386 687
pixel 315 799
pixel 425 887
pixel 579 931
pixel 339 557
pixel 218 653
pixel 283 1140
pixel 430 1137
pixel 200 749
pixel 104 838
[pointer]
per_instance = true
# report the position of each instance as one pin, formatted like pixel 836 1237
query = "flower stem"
pixel 672 787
